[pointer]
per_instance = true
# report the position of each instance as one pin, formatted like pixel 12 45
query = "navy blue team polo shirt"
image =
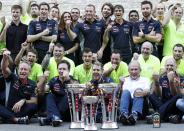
pixel 92 32
pixel 147 27
pixel 164 83
pixel 36 27
pixel 122 37
pixel 19 91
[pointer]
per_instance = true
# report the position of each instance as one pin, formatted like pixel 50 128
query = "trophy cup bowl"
pixel 108 87
pixel 90 99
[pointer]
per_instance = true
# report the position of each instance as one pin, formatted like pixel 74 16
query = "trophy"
pixel 76 108
pixel 90 103
pixel 109 110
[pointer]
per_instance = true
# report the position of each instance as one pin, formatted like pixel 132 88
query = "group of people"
pixel 42 51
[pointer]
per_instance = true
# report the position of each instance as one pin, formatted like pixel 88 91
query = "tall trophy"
pixel 90 100
pixel 109 106
pixel 76 108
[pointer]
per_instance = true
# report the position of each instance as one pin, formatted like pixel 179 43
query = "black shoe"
pixel 43 121
pixel 132 118
pixel 56 121
pixel 23 120
pixel 175 119
pixel 149 119
pixel 124 119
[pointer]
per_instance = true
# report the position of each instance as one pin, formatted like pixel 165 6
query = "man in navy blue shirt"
pixel 57 100
pixel 42 32
pixel 121 34
pixel 148 29
pixel 166 91
pixel 20 100
pixel 91 29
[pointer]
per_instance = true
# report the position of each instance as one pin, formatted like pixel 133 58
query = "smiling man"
pixel 16 33
pixel 21 103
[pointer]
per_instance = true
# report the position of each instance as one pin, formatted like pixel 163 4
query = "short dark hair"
pixel 116 52
pixel 133 11
pixel 64 62
pixel 178 45
pixel 91 5
pixel 59 45
pixel 32 51
pixel 33 5
pixel 75 9
pixel 119 6
pixel 97 63
pixel 110 6
pixel 147 2
pixel 44 3
pixel 86 50
pixel 15 7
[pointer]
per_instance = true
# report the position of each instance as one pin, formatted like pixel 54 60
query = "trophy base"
pixel 77 125
pixel 90 128
pixel 109 125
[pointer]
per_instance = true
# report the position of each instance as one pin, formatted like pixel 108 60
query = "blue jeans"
pixel 127 101
pixel 180 104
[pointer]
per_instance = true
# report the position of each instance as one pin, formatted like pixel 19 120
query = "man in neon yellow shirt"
pixel 115 68
pixel 83 72
pixel 31 58
pixel 150 64
pixel 50 63
pixel 178 50
pixel 173 30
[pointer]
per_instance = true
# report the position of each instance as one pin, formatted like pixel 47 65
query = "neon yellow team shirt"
pixel 36 72
pixel 172 37
pixel 115 74
pixel 52 67
pixel 82 75
pixel 25 19
pixel 150 66
pixel 179 65
pixel 2 44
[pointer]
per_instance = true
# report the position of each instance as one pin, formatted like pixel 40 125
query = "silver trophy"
pixel 74 99
pixel 90 103
pixel 109 111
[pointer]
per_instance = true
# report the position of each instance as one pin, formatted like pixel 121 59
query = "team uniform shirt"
pixel 52 67
pixel 19 91
pixel 57 87
pixel 122 37
pixel 115 74
pixel 172 36
pixel 15 36
pixel 92 32
pixel 147 27
pixel 179 65
pixel 2 44
pixel 164 84
pixel 36 72
pixel 150 66
pixel 82 75
pixel 142 83
pixel 39 26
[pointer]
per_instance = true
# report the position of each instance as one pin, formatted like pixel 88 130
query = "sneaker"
pixel 23 120
pixel 133 118
pixel 56 121
pixel 124 119
pixel 43 121
pixel 175 119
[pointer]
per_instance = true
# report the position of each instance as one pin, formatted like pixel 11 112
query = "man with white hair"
pixel 134 88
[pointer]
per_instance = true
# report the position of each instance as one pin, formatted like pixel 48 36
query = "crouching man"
pixel 134 88
pixel 20 101
pixel 57 99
